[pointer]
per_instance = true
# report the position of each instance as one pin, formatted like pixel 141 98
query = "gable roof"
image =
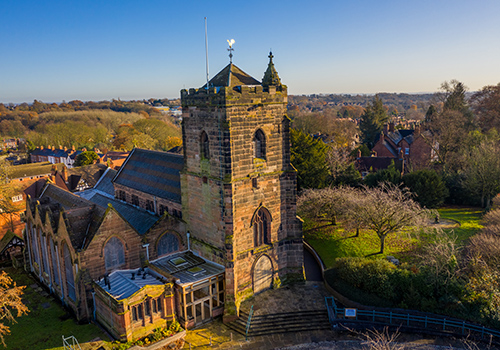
pixel 140 219
pixel 231 76
pixel 153 172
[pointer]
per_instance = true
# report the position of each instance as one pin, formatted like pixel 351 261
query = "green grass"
pixel 331 242
pixel 47 321
pixel 469 219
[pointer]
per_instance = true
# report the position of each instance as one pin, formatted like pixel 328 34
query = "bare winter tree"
pixel 387 209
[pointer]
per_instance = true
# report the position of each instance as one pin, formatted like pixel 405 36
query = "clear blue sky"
pixel 98 50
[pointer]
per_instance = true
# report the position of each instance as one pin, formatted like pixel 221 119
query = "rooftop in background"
pixel 34 169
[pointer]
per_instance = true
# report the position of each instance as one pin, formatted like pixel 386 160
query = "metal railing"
pixel 248 322
pixel 70 343
pixel 337 315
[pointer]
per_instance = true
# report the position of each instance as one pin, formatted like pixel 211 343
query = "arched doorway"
pixel 262 274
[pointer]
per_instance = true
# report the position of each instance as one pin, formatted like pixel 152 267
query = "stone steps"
pixel 299 321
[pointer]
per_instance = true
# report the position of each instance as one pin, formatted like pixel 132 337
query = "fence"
pixel 337 315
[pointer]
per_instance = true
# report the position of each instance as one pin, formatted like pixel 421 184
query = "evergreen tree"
pixel 372 122
pixel 308 156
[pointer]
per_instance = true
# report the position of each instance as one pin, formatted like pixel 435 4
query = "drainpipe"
pixel 189 246
pixel 147 250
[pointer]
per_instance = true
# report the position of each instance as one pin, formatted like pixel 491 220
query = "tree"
pixel 331 204
pixel 372 122
pixel 308 156
pixel 390 175
pixel 482 173
pixel 486 106
pixel 86 158
pixel 387 209
pixel 449 127
pixel 427 186
pixel 11 304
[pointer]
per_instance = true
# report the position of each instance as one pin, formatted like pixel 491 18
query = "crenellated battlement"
pixel 241 94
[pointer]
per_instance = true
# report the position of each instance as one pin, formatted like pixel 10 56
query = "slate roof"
pixel 181 271
pixel 123 286
pixel 231 76
pixel 82 216
pixel 152 172
pixel 104 184
pixel 140 219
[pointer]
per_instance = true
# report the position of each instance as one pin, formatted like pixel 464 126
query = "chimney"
pixel 53 148
pixel 41 147
pixel 359 153
pixel 385 128
pixel 382 137
pixel 65 149
pixel 64 173
pixel 391 127
pixel 73 148
pixel 417 130
pixel 401 154
pixel 60 147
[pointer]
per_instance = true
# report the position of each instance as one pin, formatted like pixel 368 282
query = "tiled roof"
pixel 140 219
pixel 232 76
pixel 181 265
pixel 152 172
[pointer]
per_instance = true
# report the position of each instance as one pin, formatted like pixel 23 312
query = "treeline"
pixel 106 125
pixel 351 106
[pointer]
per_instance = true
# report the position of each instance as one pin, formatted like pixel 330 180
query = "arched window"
pixel 70 279
pixel 114 254
pixel 259 144
pixel 167 244
pixel 55 266
pixel 205 146
pixel 262 227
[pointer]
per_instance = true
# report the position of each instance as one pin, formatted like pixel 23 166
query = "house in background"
pixel 410 149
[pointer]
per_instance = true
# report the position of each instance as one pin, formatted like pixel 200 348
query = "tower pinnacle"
pixel 271 76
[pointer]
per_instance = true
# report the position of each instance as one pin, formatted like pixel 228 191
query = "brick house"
pixel 408 145
pixel 180 236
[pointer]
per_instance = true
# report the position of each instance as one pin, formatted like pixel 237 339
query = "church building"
pixel 185 237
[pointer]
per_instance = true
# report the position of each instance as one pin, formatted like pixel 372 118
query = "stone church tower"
pixel 238 186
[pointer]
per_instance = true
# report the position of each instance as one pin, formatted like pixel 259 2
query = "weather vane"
pixel 231 43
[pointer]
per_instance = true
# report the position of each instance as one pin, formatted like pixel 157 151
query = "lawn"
pixel 46 322
pixel 332 242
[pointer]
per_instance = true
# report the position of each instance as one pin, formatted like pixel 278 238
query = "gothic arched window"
pixel 167 244
pixel 205 147
pixel 259 144
pixel 262 227
pixel 114 254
